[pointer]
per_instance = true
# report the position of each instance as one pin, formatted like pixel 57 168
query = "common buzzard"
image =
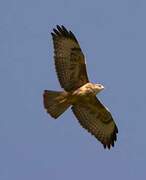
pixel 78 92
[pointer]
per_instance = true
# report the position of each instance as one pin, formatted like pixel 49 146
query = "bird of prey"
pixel 79 92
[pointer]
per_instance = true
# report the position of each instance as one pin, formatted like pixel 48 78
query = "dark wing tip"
pixel 112 139
pixel 53 35
pixel 73 36
pixel 58 27
pixel 104 145
pixel 61 31
pixel 64 29
pixel 56 32
pixel 116 129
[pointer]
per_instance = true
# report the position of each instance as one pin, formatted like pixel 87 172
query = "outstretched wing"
pixel 69 59
pixel 94 117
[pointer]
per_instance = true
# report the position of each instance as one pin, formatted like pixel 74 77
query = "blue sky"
pixel 112 35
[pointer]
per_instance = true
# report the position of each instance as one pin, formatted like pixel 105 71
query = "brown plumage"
pixel 79 92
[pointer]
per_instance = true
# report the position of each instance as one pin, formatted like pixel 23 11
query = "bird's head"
pixel 98 87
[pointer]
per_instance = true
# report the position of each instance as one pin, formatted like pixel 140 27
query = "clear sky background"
pixel 112 35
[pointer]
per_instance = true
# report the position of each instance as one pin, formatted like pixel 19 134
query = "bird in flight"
pixel 79 92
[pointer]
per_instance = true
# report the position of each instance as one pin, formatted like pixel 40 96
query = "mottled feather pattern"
pixel 69 59
pixel 89 117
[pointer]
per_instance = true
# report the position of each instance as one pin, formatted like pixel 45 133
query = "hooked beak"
pixel 101 86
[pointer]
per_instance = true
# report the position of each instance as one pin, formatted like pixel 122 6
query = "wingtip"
pixel 63 27
pixel 61 30
pixel 116 129
pixel 58 27
pixel 104 145
pixel 53 35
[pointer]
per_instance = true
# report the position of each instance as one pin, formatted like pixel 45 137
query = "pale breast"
pixel 84 90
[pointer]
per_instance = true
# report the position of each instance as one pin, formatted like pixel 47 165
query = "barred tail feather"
pixel 55 102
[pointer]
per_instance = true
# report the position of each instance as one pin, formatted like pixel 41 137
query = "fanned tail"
pixel 55 102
